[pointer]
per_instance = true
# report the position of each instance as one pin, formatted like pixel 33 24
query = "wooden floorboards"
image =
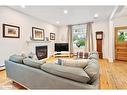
pixel 3 77
pixel 112 75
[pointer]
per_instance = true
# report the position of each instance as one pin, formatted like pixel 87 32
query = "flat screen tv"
pixel 61 47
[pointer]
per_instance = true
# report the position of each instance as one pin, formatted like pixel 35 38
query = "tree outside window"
pixel 79 37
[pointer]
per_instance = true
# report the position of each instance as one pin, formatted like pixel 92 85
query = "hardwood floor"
pixel 8 84
pixel 3 77
pixel 112 75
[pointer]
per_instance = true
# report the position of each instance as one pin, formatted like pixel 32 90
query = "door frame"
pixel 115 41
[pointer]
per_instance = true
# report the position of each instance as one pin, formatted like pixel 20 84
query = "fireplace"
pixel 41 52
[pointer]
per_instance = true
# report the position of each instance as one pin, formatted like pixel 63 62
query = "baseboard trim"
pixel 110 60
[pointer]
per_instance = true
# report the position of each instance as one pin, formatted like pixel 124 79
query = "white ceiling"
pixel 76 14
pixel 122 11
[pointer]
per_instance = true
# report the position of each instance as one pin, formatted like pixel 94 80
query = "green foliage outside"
pixel 122 37
pixel 82 42
pixel 79 41
pixel 126 34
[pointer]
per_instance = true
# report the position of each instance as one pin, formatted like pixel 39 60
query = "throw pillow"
pixel 17 58
pixel 23 55
pixel 33 63
pixel 32 55
pixel 75 74
pixel 81 63
pixel 59 62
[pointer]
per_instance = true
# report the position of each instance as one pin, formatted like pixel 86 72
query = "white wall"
pixel 62 34
pixel 102 26
pixel 121 21
pixel 9 46
pixel 116 22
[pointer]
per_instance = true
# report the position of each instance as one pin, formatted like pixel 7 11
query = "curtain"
pixel 89 37
pixel 70 38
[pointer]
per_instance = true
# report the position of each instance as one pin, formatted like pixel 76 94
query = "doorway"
pixel 121 43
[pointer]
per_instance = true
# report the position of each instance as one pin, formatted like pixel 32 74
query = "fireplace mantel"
pixel 38 41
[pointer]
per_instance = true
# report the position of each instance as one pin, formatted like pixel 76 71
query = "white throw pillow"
pixel 80 63
pixel 32 62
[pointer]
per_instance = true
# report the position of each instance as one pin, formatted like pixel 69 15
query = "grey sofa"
pixel 34 78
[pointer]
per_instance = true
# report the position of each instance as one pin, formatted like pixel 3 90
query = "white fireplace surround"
pixel 41 52
pixel 31 46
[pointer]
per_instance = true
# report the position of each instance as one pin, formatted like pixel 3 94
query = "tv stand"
pixel 63 54
pixel 57 53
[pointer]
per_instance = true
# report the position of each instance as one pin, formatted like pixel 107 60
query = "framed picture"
pixel 52 36
pixel 38 34
pixel 11 31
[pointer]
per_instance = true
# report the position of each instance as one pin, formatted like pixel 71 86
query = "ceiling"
pixel 122 12
pixel 76 14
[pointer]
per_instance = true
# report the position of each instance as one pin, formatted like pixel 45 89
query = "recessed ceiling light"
pixel 96 15
pixel 57 22
pixel 65 11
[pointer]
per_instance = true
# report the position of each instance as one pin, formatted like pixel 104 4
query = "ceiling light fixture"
pixel 57 22
pixel 65 11
pixel 96 15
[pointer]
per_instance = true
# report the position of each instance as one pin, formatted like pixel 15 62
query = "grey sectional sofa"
pixel 36 78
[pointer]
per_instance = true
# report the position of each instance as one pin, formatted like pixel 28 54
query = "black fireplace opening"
pixel 41 52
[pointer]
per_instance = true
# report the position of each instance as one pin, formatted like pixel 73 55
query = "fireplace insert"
pixel 41 52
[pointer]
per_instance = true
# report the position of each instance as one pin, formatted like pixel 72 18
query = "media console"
pixel 63 54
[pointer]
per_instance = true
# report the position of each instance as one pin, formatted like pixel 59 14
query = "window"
pixel 122 35
pixel 79 37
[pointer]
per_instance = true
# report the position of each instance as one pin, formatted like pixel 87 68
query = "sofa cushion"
pixel 76 74
pixel 92 69
pixel 17 58
pixel 93 52
pixel 93 56
pixel 81 63
pixel 33 63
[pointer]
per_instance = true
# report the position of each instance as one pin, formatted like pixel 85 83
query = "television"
pixel 61 47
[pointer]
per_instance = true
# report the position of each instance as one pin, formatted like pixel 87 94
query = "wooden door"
pixel 121 43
